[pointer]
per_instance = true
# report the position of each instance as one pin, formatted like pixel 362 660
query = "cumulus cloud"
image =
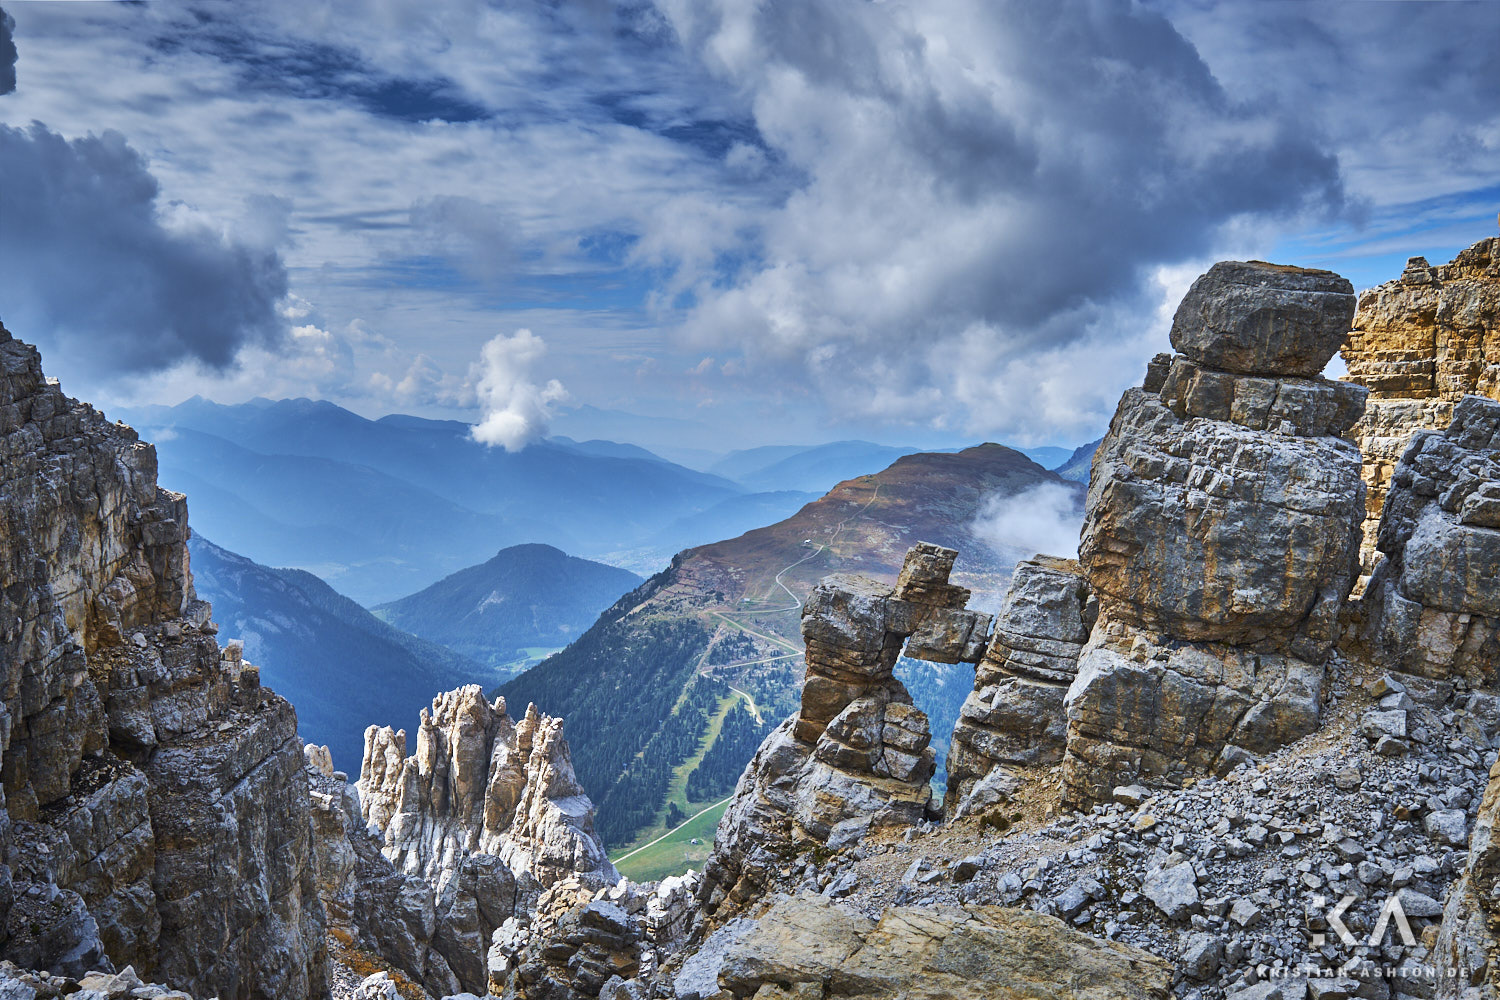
pixel 985 183
pixel 90 261
pixel 8 52
pixel 516 409
pixel 1044 519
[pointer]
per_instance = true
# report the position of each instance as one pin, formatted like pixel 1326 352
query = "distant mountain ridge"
pixel 525 597
pixel 385 507
pixel 341 667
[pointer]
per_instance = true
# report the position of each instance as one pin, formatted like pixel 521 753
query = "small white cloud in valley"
pixel 1041 520
pixel 516 408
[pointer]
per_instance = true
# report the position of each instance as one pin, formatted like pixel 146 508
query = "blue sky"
pixel 924 223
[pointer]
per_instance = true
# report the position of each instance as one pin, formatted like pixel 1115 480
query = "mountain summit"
pixel 524 602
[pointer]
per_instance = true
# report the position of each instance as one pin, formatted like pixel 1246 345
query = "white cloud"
pixel 1042 520
pixel 515 408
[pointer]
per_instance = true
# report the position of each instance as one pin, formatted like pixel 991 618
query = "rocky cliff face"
pixel 480 784
pixel 1432 603
pixel 154 813
pixel 1419 344
pixel 1221 535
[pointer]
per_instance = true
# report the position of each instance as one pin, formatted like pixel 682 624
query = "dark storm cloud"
pixel 8 52
pixel 88 261
pixel 986 181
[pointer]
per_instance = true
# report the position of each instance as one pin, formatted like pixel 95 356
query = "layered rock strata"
pixel 154 812
pixel 856 756
pixel 1432 604
pixel 1221 535
pixel 809 946
pixel 481 784
pixel 1014 715
pixel 1419 344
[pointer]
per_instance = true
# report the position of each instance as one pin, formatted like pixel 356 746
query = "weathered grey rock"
pixel 926 953
pixel 1433 606
pixel 1173 889
pixel 1015 714
pixel 436 938
pixel 1255 318
pixel 480 783
pixel 1212 532
pixel 155 813
pixel 1164 712
pixel 1467 950
pixel 856 756
pixel 1221 538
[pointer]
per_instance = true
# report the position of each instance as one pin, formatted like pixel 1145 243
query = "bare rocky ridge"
pixel 1419 344
pixel 155 815
pixel 1190 764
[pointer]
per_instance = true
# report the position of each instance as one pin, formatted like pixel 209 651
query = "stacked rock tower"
pixel 1221 535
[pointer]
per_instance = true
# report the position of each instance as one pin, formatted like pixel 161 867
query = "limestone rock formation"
pixel 1419 344
pixel 1432 603
pixel 481 784
pixel 1014 715
pixel 1221 535
pixel 154 812
pixel 809 946
pixel 856 756
pixel 1254 318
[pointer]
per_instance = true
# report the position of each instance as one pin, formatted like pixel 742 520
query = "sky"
pixel 782 221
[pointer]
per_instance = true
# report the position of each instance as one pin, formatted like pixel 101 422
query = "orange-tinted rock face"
pixel 1419 344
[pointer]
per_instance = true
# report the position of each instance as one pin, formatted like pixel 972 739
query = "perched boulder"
pixel 1254 318
pixel 1014 715
pixel 1419 344
pixel 1432 604
pixel 1221 536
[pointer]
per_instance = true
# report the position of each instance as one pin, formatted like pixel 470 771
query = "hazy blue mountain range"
pixel 511 610
pixel 343 668
pixel 383 508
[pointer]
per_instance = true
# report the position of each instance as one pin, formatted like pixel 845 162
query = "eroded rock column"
pixel 856 756
pixel 1015 716
pixel 1221 535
